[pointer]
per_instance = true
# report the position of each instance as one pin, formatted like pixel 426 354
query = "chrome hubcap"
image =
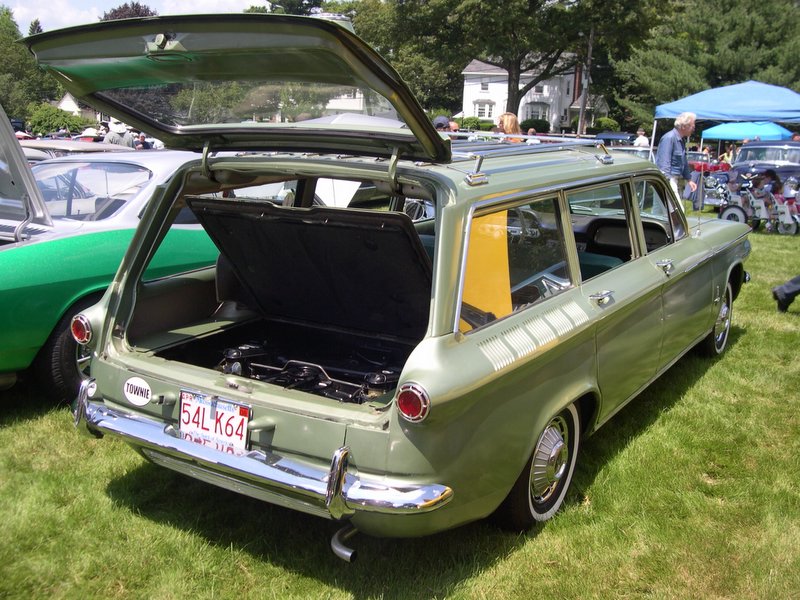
pixel 549 461
pixel 723 323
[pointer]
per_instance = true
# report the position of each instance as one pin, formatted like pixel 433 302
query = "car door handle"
pixel 603 297
pixel 666 265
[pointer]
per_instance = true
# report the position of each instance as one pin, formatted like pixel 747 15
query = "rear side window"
pixel 516 258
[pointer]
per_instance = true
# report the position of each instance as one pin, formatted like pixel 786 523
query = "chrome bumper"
pixel 332 493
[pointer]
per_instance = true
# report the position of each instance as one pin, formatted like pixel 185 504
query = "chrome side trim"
pixel 333 492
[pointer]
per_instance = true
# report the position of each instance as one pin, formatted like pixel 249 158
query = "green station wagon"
pixel 429 350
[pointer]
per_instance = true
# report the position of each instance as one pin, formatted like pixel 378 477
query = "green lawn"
pixel 692 491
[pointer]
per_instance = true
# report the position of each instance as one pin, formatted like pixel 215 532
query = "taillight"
pixel 81 329
pixel 413 402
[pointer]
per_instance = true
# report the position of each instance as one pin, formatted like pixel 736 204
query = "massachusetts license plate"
pixel 214 422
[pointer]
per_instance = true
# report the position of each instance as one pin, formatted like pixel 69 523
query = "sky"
pixel 55 14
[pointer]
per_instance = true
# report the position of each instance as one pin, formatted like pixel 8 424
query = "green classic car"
pixel 424 353
pixel 63 233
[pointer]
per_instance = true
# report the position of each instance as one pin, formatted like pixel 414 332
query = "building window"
pixel 537 110
pixel 538 89
pixel 484 86
pixel 484 110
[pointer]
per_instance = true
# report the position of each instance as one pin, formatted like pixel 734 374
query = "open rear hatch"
pixel 241 82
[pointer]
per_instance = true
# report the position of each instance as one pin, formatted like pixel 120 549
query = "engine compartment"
pixel 324 300
pixel 345 367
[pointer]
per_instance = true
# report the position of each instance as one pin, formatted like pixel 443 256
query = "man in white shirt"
pixel 641 141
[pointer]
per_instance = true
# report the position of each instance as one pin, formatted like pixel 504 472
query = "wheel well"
pixel 736 278
pixel 87 300
pixel 587 410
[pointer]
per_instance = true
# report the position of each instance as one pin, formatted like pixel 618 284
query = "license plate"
pixel 214 422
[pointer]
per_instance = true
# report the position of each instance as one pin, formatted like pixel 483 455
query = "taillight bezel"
pixel 81 329
pixel 417 393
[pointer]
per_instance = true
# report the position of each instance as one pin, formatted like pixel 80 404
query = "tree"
pixel 35 27
pixel 22 81
pixel 127 11
pixel 711 44
pixel 45 118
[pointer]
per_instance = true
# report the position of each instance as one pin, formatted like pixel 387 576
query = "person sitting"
pixel 532 140
pixel 441 123
pixel 141 143
pixel 508 124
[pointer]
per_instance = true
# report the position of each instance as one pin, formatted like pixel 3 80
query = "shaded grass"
pixel 690 492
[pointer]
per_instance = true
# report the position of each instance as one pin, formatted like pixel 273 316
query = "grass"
pixel 692 491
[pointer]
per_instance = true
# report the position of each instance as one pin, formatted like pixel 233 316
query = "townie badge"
pixel 137 391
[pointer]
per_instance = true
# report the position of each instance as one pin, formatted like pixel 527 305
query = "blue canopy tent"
pixel 763 130
pixel 748 101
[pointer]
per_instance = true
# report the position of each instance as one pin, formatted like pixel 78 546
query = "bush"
pixel 487 125
pixel 47 119
pixel 471 123
pixel 540 125
pixel 606 124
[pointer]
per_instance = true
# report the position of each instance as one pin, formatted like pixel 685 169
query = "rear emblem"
pixel 137 391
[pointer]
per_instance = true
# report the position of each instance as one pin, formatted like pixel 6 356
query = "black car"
pixel 756 157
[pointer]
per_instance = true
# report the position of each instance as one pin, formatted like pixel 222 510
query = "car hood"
pixel 241 82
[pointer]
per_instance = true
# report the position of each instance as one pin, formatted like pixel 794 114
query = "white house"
pixel 556 100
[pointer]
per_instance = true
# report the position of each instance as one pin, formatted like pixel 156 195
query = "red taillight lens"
pixel 81 330
pixel 413 402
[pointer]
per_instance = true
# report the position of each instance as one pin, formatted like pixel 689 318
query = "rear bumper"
pixel 333 492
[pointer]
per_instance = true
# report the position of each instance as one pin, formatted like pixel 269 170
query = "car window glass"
pixel 601 228
pixel 661 218
pixel 516 258
pixel 88 191
pixel 12 190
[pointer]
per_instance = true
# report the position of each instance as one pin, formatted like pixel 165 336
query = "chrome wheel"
pixel 787 228
pixel 716 341
pixel 550 460
pixel 542 486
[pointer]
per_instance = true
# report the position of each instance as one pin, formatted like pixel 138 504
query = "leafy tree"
pixel 711 44
pixel 22 81
pixel 127 11
pixel 46 118
pixel 35 27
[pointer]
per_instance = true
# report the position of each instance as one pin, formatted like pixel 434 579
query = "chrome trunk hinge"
pixel 206 168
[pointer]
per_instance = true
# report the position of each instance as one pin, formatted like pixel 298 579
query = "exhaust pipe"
pixel 338 543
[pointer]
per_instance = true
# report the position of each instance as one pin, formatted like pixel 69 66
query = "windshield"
pixel 88 191
pixel 769 154
pixel 12 191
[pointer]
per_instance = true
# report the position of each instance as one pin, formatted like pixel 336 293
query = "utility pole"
pixel 585 91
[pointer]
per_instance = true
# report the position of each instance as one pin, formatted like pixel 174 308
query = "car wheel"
pixel 540 490
pixel 717 340
pixel 62 363
pixel 733 213
pixel 787 228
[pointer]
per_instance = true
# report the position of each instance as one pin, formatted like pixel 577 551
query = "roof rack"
pixel 481 145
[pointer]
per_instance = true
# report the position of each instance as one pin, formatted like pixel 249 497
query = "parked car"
pixel 62 243
pixel 401 376
pixel 643 153
pixel 756 157
pixel 44 149
pixel 616 138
